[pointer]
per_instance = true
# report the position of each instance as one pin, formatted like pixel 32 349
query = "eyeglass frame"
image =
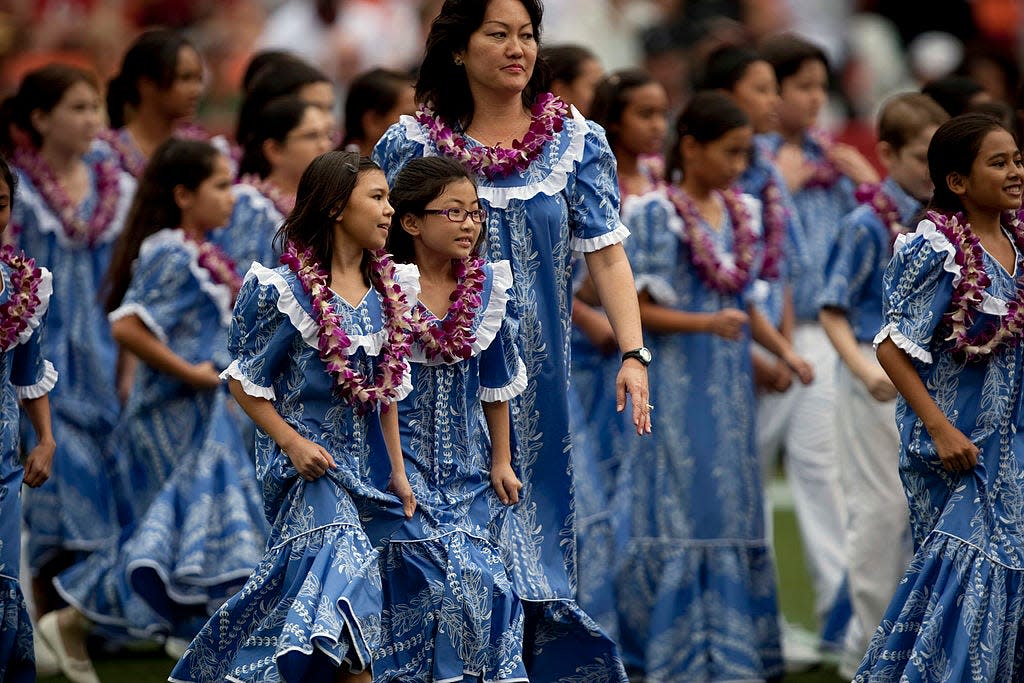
pixel 447 213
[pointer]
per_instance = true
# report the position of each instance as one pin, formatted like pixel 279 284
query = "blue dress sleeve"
pixel 502 371
pixel 918 289
pixel 32 375
pixel 594 200
pixel 653 248
pixel 162 290
pixel 850 264
pixel 261 337
pixel 395 149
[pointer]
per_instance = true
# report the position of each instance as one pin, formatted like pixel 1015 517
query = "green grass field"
pixel 795 596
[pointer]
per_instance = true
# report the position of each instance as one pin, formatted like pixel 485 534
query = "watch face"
pixel 645 354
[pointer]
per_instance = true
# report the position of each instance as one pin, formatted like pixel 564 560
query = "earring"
pixel 458 60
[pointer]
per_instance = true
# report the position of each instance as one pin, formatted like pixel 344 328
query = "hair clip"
pixel 351 168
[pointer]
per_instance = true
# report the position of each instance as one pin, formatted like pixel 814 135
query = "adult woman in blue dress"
pixel 555 194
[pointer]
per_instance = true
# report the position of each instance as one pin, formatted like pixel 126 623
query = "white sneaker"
pixel 75 670
pixel 799 648
pixel 175 648
pixel 46 660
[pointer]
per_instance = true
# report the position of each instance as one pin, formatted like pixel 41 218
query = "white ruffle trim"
pixel 40 388
pixel 499 197
pixel 234 371
pixel 589 244
pixel 144 315
pixel 218 293
pixel 406 388
pixel 760 292
pixel 492 316
pixel 902 342
pixel 303 322
pixel 941 245
pixel 44 293
pixel 659 289
pixel 408 277
pixel 510 390
pixel 47 221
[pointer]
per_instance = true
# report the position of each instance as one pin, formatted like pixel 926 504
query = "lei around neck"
pixel 23 299
pixel 451 338
pixel 362 393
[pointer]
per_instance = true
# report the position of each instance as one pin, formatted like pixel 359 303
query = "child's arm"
pixel 399 480
pixel 840 333
pixel 40 459
pixel 727 323
pixel 311 460
pixel 954 449
pixel 131 333
pixel 503 478
pixel 594 325
pixel 765 334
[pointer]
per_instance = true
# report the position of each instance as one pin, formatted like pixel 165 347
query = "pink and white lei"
pixel 108 190
pixel 219 265
pixel 775 214
pixel 969 292
pixel 283 202
pixel 547 117
pixel 363 393
pixel 23 299
pixel 714 271
pixel 452 340
pixel 884 207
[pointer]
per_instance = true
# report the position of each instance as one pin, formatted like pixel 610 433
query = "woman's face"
pixel 502 52
pixel 74 122
pixel 757 93
pixel 181 99
pixel 313 136
pixel 644 121
pixel 996 179
pixel 366 218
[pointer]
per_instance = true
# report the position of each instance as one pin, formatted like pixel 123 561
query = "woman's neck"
pixel 498 120
pixel 192 229
pixel 699 192
pixel 434 268
pixel 149 129
pixel 346 260
pixel 985 222
pixel 283 182
pixel 793 136
pixel 64 163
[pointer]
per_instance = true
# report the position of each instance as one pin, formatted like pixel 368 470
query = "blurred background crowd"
pixel 876 47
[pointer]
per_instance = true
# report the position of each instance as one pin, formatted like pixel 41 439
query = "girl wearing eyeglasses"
pixel 465 369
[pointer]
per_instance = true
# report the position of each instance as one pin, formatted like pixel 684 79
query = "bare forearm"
pixel 662 319
pixel 901 371
pixel 765 334
pixel 132 334
pixel 264 415
pixel 392 437
pixel 38 411
pixel 497 418
pixel 840 333
pixel 609 269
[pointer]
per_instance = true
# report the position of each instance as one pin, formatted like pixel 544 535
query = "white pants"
pixel 801 423
pixel 878 545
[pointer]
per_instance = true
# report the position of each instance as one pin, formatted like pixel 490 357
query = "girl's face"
pixel 181 99
pixel 501 53
pixel 439 234
pixel 313 136
pixel 719 163
pixel 757 93
pixel 644 122
pixel 996 179
pixel 209 205
pixel 908 165
pixel 366 218
pixel 74 122
pixel 802 96
pixel 5 204
pixel 580 92
pixel 375 125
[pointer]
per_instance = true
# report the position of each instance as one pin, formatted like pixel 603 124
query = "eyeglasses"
pixel 312 136
pixel 457 215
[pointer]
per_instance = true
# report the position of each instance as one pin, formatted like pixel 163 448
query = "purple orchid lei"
pixel 452 340
pixel 362 393
pixel 128 153
pixel 283 202
pixel 23 299
pixel 825 172
pixel 222 268
pixel 547 118
pixel 884 207
pixel 712 270
pixel 774 213
pixel 968 294
pixel 108 190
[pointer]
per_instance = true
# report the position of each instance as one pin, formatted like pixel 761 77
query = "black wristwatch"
pixel 643 354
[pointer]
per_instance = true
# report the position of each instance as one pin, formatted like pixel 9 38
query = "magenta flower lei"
pixel 219 265
pixel 452 340
pixel 283 202
pixel 883 206
pixel 967 296
pixel 128 154
pixel 547 114
pixel 108 190
pixel 712 270
pixel 363 393
pixel 825 172
pixel 23 299
pixel 774 213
